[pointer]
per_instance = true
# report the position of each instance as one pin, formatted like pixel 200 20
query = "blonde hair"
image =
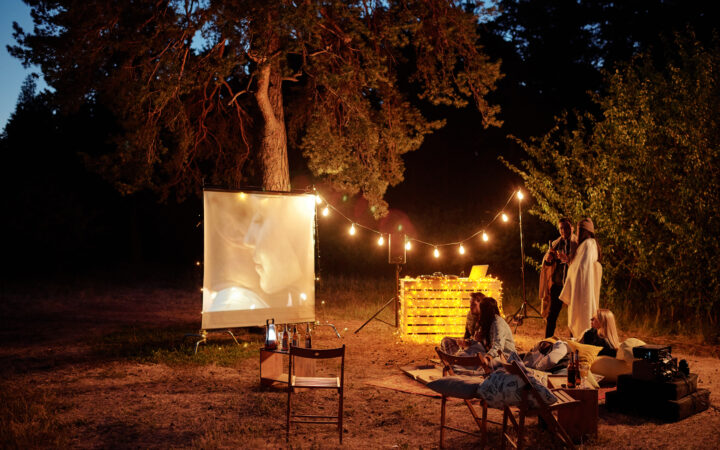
pixel 607 328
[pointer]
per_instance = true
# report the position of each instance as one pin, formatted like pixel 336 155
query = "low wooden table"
pixel 273 365
pixel 582 419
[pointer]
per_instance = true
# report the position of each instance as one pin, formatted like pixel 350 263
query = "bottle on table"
pixel 578 379
pixel 571 371
pixel 286 339
pixel 308 337
pixel 295 336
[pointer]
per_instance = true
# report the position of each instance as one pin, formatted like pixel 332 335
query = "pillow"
pixel 625 350
pixel 610 368
pixel 586 353
pixel 502 389
pixel 456 386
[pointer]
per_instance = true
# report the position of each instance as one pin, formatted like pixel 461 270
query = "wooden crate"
pixel 434 307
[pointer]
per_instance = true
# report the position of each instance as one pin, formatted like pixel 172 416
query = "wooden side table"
pixel 273 368
pixel 581 420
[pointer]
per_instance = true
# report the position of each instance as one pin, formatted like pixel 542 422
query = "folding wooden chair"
pixel 543 411
pixel 448 361
pixel 333 383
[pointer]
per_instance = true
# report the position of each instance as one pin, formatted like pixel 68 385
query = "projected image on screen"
pixel 259 259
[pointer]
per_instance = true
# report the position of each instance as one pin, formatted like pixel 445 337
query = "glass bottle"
pixel 286 339
pixel 571 371
pixel 308 338
pixel 294 336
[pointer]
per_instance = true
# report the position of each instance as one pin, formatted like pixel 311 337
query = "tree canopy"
pixel 213 89
pixel 647 171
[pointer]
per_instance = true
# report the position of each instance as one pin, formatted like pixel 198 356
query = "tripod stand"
pixel 522 312
pixel 395 299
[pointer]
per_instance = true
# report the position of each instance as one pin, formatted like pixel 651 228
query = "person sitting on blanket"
pixel 602 333
pixel 495 334
pixel 548 355
pixel 453 346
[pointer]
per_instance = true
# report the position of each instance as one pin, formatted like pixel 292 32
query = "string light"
pixel 408 245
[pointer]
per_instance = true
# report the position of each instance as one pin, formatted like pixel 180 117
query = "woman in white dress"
pixel 582 286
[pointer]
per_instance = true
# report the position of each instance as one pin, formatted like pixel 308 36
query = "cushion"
pixel 586 353
pixel 610 368
pixel 625 350
pixel 456 386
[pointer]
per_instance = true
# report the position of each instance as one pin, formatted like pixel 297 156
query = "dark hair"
pixel 477 296
pixel 565 220
pixel 488 311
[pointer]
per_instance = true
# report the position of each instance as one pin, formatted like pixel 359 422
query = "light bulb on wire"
pixel 381 240
pixel 318 200
pixel 436 253
pixel 461 249
pixel 485 237
pixel 520 195
pixel 408 245
pixel 325 211
pixel 505 217
pixel 352 230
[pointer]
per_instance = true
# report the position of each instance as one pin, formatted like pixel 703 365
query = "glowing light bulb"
pixel 461 249
pixel 485 237
pixel 242 195
pixel 436 253
pixel 408 245
pixel 326 211
pixel 505 217
pixel 318 200
pixel 352 230
pixel 520 195
pixel 381 240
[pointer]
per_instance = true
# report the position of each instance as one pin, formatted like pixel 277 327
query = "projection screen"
pixel 259 259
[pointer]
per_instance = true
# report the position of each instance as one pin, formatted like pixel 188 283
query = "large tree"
pixel 214 89
pixel 647 171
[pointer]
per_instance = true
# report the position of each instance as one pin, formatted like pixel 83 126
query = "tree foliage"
pixel 647 171
pixel 213 89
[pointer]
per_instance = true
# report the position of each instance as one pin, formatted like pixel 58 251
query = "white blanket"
pixel 582 287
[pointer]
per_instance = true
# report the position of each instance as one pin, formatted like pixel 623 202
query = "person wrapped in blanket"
pixel 548 355
pixel 492 339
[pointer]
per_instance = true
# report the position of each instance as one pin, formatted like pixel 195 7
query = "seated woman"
pixel 495 336
pixel 603 333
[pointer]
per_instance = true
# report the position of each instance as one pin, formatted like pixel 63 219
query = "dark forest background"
pixel 61 218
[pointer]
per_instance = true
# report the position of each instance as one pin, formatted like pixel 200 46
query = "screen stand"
pixel 203 335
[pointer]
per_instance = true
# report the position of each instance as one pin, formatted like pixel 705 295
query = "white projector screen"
pixel 259 259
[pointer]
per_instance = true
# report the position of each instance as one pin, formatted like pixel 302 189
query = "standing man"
pixel 554 273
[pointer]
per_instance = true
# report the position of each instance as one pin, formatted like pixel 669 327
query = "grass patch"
pixel 170 346
pixel 29 418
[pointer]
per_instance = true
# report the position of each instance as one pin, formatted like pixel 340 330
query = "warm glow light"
pixel 408 246
pixel 242 196
pixel 505 217
pixel 381 240
pixel 461 250
pixel 485 237
pixel 197 263
pixel 352 230
pixel 318 200
pixel 326 211
pixel 520 195
pixel 436 253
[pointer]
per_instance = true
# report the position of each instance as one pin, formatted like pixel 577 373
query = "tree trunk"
pixel 273 142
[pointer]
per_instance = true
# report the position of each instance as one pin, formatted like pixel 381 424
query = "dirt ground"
pixel 58 390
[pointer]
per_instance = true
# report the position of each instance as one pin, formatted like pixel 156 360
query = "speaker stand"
pixel 395 300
